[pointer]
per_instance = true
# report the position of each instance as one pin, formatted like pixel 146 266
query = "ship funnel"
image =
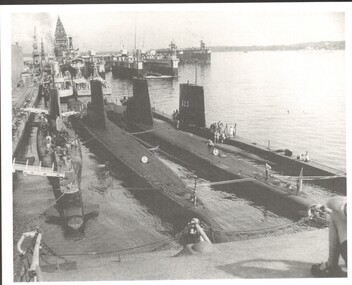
pixel 96 111
pixel 70 45
pixel 138 108
pixel 55 110
pixel 54 104
pixel 191 106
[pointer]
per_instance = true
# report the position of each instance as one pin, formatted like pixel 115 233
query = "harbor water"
pixel 295 99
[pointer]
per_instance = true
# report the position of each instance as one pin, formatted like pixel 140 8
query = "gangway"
pixel 35 110
pixel 36 169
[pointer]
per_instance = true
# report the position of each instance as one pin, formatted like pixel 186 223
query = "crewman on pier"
pixel 177 119
pixel 337 208
pixel 211 145
pixel 48 145
pixel 194 193
pixel 226 130
pixel 299 188
pixel 306 158
pixel 267 168
pixel 194 197
pixel 216 137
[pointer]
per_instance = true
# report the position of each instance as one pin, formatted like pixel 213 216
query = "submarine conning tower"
pixel 95 110
pixel 191 106
pixel 138 107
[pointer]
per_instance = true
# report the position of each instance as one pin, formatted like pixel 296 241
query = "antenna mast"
pixel 196 73
pixel 135 32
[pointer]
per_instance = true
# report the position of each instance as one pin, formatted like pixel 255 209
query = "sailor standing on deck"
pixel 177 118
pixel 306 158
pixel 267 168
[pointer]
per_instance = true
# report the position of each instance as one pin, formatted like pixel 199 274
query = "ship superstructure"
pixel 61 40
pixel 195 55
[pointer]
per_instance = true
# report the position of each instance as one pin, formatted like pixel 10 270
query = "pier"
pixel 22 97
pixel 38 170
pixel 285 256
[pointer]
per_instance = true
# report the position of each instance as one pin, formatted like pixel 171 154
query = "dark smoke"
pixel 47 22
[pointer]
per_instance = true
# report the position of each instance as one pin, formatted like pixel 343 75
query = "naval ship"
pixel 59 148
pixel 195 55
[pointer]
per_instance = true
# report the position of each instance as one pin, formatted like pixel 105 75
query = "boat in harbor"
pixel 127 66
pixel 81 86
pixel 195 55
pixel 59 148
pixel 201 55
pixel 107 90
pixel 92 62
pixel 155 75
pixel 164 62
pixel 62 82
pixel 76 65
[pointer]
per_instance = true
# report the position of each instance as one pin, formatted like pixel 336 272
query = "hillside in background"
pixel 325 45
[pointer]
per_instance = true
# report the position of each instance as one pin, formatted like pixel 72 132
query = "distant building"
pixel 16 64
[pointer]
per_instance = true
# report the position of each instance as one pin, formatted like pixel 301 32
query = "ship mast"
pixel 35 49
pixel 135 32
pixel 196 72
pixel 42 50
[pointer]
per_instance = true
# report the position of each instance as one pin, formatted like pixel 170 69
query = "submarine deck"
pixel 232 163
pixel 214 212
pixel 312 167
pixel 127 150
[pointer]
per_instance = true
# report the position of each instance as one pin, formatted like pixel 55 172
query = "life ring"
pixel 144 159
pixel 215 151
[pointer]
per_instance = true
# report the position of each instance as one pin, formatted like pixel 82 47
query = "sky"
pixel 112 29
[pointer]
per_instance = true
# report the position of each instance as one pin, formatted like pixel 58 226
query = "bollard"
pixel 195 222
pixel 19 243
pixel 35 258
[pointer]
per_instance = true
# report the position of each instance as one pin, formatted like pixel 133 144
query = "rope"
pixel 233 181
pixel 307 178
pixel 310 178
pixel 262 230
pixel 317 162
pixel 143 132
pixel 88 140
pixel 160 242
pixel 53 203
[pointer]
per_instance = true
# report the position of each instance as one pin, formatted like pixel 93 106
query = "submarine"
pixel 132 135
pixel 189 141
pixel 58 146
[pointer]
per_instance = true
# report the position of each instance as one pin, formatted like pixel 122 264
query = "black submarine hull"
pixel 139 159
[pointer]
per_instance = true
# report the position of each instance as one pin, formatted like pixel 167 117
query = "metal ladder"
pixel 36 170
